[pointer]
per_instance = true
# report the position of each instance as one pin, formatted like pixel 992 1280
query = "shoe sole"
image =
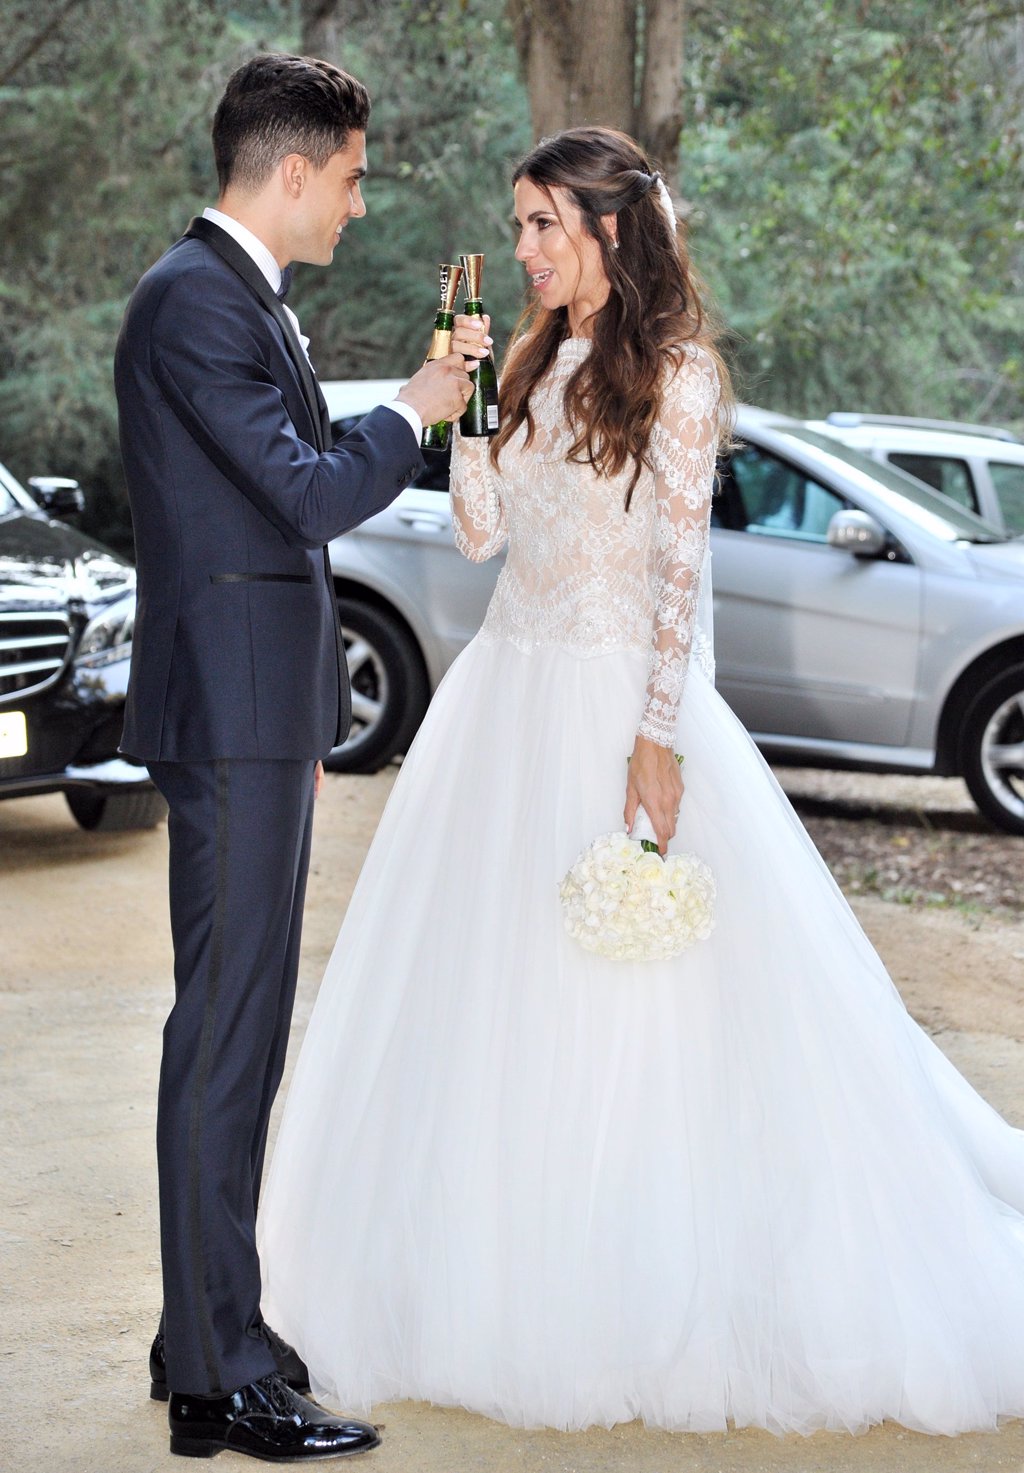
pixel 194 1447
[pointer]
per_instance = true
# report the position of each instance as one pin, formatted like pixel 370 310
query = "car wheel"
pixel 992 750
pixel 116 812
pixel 389 688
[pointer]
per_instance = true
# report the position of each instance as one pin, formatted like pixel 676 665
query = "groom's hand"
pixel 440 390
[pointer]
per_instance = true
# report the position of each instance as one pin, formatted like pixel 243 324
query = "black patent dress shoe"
pixel 289 1363
pixel 267 1420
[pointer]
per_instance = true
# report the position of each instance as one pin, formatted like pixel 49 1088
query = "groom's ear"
pixel 293 171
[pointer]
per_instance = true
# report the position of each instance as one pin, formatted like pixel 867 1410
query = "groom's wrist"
pixel 409 414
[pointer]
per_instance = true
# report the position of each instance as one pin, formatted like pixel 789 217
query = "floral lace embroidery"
pixel 582 572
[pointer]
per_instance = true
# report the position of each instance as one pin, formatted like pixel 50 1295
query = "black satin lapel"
pixel 244 266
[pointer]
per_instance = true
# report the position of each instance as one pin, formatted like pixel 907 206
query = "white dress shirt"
pixel 254 247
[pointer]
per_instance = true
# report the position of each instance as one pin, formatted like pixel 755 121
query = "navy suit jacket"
pixel 236 651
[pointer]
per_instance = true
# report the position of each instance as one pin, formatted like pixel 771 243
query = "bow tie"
pixel 286 281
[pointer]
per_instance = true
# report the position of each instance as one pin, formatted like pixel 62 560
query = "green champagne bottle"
pixel 480 416
pixel 436 436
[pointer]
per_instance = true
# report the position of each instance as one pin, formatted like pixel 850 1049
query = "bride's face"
pixel 563 263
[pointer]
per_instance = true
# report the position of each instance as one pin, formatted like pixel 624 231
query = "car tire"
pixel 994 722
pixel 389 688
pixel 111 813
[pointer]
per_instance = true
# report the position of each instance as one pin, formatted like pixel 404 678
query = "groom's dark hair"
pixel 276 105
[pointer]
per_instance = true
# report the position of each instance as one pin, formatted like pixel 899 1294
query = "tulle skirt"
pixel 738 1188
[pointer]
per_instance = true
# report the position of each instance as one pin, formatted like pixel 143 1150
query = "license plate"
pixel 13 734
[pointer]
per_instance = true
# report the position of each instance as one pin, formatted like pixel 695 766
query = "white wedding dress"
pixel 742 1187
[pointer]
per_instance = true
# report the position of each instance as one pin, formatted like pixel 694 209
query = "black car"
pixel 67 609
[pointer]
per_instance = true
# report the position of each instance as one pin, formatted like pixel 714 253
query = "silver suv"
pixel 861 620
pixel 979 467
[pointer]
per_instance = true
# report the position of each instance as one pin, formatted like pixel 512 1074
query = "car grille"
pixel 34 648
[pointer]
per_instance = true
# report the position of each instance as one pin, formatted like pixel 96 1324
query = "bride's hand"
pixel 655 781
pixel 470 337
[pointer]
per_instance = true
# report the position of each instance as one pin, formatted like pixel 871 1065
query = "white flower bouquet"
pixel 622 900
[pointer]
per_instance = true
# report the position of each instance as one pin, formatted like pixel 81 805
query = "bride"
pixel 738 1188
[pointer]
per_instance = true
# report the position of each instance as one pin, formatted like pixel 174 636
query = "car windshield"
pixel 963 525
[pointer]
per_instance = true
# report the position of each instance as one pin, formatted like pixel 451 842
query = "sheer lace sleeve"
pixel 476 504
pixel 683 448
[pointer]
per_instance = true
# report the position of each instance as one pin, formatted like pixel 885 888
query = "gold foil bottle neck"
pixel 440 344
pixel 449 276
pixel 473 266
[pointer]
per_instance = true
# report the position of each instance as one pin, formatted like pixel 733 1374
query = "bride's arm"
pixel 476 503
pixel 683 447
pixel 475 484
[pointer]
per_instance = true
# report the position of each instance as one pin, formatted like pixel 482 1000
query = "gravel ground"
pixel 84 989
pixel 918 841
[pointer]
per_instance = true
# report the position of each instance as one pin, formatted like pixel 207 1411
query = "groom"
pixel 238 687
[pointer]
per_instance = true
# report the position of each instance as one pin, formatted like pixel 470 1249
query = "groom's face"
pixel 330 198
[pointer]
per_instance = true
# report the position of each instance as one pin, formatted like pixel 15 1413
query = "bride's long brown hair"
pixel 653 307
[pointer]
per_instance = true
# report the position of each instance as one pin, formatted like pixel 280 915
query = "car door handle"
pixel 424 521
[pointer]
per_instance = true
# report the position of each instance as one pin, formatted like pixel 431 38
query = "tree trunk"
pixel 581 60
pixel 659 118
pixel 325 24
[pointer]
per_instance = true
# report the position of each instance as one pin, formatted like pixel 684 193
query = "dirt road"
pixel 84 988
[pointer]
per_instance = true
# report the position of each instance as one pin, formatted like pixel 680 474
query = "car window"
pixel 1009 483
pixel 951 477
pixel 774 499
pixel 436 472
pixel 938 515
pixel 9 501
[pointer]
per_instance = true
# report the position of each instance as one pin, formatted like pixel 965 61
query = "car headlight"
pixel 108 637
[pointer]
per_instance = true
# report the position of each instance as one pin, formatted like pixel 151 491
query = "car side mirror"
pixel 857 532
pixel 57 496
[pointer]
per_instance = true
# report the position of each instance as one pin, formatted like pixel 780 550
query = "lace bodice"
pixel 582 572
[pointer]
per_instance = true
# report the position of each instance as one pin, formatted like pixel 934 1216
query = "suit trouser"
pixel 239 853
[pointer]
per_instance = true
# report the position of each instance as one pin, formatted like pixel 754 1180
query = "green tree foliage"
pixel 856 176
pixel 102 127
pixel 853 169
pixel 448 117
pixel 105 107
